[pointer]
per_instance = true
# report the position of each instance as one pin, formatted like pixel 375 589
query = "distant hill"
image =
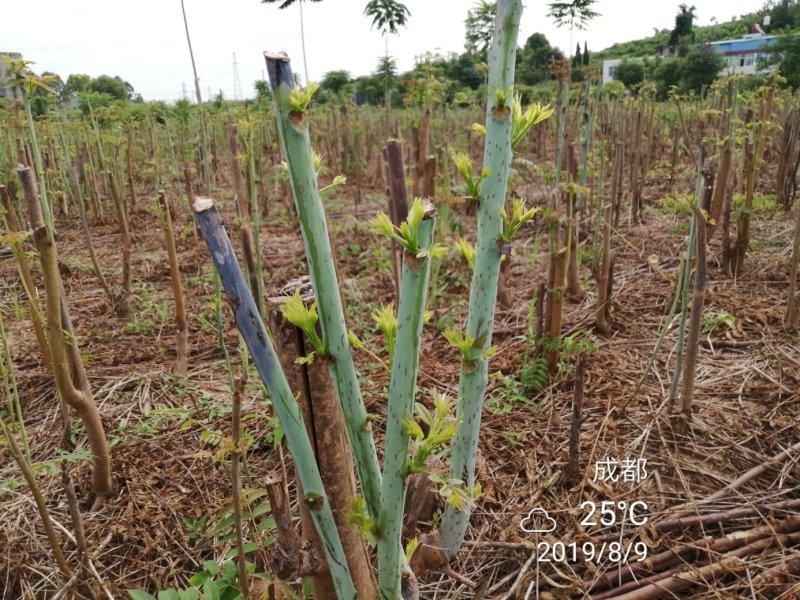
pixel 710 33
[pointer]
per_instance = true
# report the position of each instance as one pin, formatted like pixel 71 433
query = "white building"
pixel 610 69
pixel 742 56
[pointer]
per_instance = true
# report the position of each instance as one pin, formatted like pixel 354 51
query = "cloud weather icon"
pixel 538 521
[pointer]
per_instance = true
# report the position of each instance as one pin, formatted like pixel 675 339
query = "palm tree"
pixel 387 15
pixel 287 4
pixel 576 13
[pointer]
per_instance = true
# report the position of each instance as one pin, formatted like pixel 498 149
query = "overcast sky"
pixel 144 41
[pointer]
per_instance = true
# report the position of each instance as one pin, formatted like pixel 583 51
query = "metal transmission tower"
pixel 237 84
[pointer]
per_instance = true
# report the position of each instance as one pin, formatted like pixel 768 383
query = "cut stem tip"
pixel 202 204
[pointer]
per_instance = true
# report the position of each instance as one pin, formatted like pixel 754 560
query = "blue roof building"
pixel 743 54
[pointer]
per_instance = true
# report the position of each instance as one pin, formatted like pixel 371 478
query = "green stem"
pixel 47 210
pixel 483 291
pixel 293 129
pixel 687 278
pixel 402 387
pixel 286 408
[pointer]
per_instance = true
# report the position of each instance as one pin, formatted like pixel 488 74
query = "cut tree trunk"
pixel 324 422
pixel 398 198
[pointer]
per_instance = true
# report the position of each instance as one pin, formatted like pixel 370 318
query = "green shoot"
pixel 298 314
pixel 386 321
pixel 467 251
pixel 519 216
pixel 464 166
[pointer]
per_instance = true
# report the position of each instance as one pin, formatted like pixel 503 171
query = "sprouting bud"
pixel 305 317
pixel 523 121
pixel 519 216
pixel 467 251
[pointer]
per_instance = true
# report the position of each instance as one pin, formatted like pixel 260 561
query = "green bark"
pixel 293 129
pixel 483 292
pixel 402 387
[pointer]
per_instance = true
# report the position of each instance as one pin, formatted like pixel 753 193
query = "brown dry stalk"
pixel 556 307
pixel 123 307
pixel 603 277
pixel 129 164
pixel 236 483
pixel 572 474
pixel 398 199
pixel 182 358
pixel 573 286
pixel 676 559
pixel 325 425
pixel 243 212
pixel 792 313
pixel 38 498
pixel 684 405
pixel 752 167
pixel 729 563
pixel 79 399
pixel 720 191
pixel 87 234
pixel 23 266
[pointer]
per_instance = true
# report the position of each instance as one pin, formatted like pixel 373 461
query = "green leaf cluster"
pixel 386 321
pixel 359 516
pixel 305 317
pixel 519 216
pixel 407 234
pixel 300 97
pixel 467 250
pixel 465 343
pixel 464 166
pixel 522 121
pixel 441 426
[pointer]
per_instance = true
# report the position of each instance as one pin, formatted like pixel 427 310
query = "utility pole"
pixel 237 84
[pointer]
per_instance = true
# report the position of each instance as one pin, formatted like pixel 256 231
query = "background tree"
pixel 261 87
pixel 387 15
pixel 630 73
pixel 286 4
pixel 116 87
pixel 683 33
pixel 577 59
pixel 667 74
pixel 334 84
pixel 585 54
pixel 576 13
pixel 464 69
pixel 56 83
pixel 701 66
pixel 786 53
pixel 535 58
pixel 784 14
pixel 480 25
pixel 75 84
